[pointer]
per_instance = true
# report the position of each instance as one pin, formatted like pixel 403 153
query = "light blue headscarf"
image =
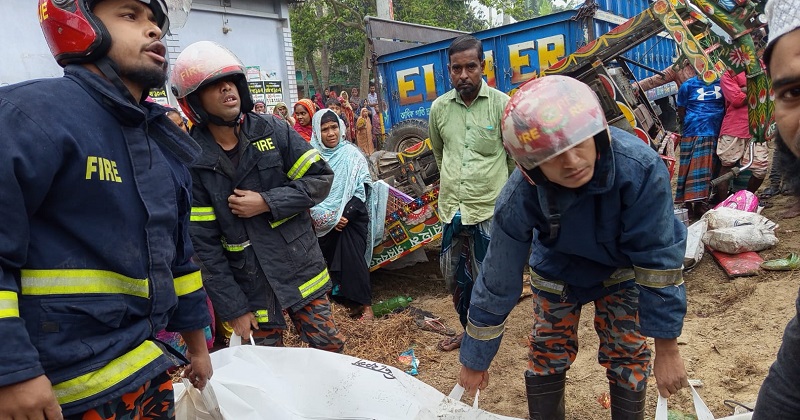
pixel 350 179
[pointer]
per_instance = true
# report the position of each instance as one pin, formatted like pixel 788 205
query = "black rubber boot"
pixel 627 404
pixel 545 396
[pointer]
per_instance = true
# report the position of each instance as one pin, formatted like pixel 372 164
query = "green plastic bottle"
pixel 385 307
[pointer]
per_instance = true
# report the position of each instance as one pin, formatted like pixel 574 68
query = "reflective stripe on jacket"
pixel 247 260
pixel 94 245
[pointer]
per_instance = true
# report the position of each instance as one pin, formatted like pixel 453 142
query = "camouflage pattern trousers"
pixel 153 400
pixel 313 322
pixel 553 343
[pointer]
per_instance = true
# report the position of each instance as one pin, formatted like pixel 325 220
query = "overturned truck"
pixel 412 74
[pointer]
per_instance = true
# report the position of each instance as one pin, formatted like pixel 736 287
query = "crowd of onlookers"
pixel 715 138
pixel 361 116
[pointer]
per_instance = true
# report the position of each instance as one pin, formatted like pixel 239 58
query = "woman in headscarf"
pixel 364 132
pixel 282 111
pixel 349 115
pixel 319 101
pixel 342 220
pixel 303 111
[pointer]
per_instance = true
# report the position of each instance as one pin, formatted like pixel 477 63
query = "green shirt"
pixel 468 146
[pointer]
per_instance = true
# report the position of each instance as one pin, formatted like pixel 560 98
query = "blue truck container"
pixel 411 79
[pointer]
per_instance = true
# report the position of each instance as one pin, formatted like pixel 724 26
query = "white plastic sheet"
pixel 700 408
pixel 254 383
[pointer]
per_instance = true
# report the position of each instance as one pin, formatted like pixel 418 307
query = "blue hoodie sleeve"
pixel 499 284
pixel 655 241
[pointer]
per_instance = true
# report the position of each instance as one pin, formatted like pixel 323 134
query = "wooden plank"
pixel 737 265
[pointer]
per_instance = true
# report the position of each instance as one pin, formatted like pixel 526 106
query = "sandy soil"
pixel 730 338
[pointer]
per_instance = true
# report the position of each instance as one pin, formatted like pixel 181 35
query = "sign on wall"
pixel 159 95
pixel 253 73
pixel 268 91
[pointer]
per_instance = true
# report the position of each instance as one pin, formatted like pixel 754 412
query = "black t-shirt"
pixel 233 155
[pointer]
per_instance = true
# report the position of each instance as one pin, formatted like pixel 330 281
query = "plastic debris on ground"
pixel 409 362
pixel 677 415
pixel 791 262
pixel 605 400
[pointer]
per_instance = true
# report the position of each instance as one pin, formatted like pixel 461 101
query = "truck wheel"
pixel 406 134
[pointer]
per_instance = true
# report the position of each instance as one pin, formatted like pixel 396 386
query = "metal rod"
pixel 629 61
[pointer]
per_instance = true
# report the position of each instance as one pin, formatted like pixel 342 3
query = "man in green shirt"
pixel 473 166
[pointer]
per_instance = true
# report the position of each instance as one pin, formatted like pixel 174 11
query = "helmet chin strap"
pixel 213 119
pixel 109 70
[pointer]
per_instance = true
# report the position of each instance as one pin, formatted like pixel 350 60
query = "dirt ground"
pixel 731 334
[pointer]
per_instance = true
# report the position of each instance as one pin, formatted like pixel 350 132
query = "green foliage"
pixel 305 34
pixel 338 27
pixel 527 9
pixel 452 14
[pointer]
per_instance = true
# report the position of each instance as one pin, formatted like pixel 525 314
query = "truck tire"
pixel 406 134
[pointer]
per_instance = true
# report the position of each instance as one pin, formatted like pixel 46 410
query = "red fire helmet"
pixel 548 116
pixel 75 35
pixel 201 64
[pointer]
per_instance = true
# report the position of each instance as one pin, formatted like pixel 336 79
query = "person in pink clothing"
pixel 733 146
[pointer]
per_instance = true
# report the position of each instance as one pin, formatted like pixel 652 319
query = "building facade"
pixel 257 31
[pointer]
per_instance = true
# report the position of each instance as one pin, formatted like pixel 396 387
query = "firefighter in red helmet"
pixel 94 245
pixel 253 187
pixel 589 209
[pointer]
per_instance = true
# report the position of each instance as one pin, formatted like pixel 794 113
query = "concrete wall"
pixel 25 53
pixel 257 31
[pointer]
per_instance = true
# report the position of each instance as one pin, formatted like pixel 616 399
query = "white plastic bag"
pixel 191 403
pixel 725 217
pixel 700 408
pixel 255 382
pixel 738 239
pixel 694 244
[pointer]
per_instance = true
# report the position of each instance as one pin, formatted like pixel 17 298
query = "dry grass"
pixel 381 340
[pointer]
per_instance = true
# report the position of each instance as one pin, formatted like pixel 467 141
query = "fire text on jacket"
pixel 102 169
pixel 264 145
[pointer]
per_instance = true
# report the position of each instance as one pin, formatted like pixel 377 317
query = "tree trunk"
pixel 324 57
pixel 314 76
pixel 363 85
pixel 325 62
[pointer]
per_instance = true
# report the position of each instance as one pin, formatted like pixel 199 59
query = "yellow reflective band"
pixel 9 307
pixel 202 214
pixel 538 282
pixel 280 222
pixel 620 276
pixel 80 282
pixel 658 278
pixel 188 283
pixel 485 333
pixel 301 166
pixel 262 315
pixel 235 247
pixel 314 284
pixel 114 372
